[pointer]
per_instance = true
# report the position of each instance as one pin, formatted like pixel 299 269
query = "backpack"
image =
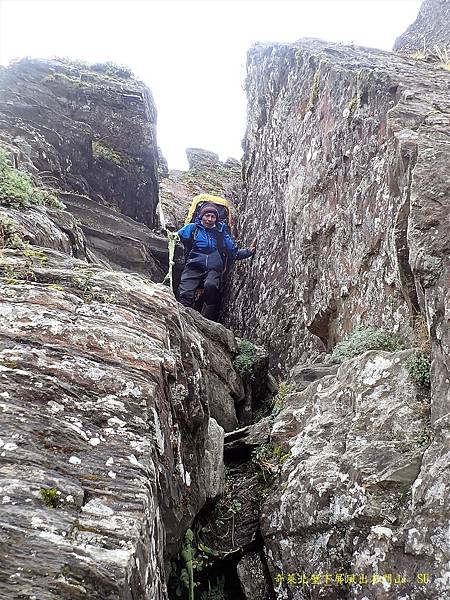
pixel 224 210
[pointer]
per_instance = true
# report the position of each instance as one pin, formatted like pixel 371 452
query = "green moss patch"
pixel 363 339
pixel 18 191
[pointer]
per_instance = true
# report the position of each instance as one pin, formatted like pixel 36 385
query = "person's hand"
pixel 253 245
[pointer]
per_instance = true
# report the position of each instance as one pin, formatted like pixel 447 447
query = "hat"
pixel 208 208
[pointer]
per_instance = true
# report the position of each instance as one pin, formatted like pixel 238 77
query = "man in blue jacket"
pixel 207 244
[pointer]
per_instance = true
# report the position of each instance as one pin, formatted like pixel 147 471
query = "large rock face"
pixel 87 129
pixel 342 147
pixel 106 383
pixel 360 493
pixel 429 35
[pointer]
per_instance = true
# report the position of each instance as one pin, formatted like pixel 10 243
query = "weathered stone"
pixel 336 140
pixel 303 375
pixel 429 35
pixel 119 242
pixel 254 578
pixel 104 400
pixel 85 129
pixel 356 443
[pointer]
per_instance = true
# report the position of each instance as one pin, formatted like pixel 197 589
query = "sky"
pixel 192 53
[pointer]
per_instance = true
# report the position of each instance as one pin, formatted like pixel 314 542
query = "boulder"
pixel 348 503
pixel 108 450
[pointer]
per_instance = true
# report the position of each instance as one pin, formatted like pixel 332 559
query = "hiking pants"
pixel 192 279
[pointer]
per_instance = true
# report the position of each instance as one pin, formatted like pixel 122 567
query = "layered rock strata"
pixel 345 179
pixel 88 129
pixel 108 449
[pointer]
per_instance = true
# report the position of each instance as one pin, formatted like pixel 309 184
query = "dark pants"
pixel 191 280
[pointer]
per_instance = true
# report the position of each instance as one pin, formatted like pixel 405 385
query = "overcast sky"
pixel 191 53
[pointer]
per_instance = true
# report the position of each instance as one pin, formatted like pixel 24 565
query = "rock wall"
pixel 88 129
pixel 106 394
pixel 342 147
pixel 429 35
pixel 360 509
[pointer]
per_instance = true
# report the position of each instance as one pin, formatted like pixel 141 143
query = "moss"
pixel 15 275
pixel 353 105
pixel 419 368
pixel 424 438
pixel 49 496
pixel 101 151
pixel 363 339
pixel 243 363
pixel 17 189
pixel 314 91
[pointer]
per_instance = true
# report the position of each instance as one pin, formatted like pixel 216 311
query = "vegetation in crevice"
pixel 244 361
pixel 268 460
pixel 49 496
pixel 18 191
pixel 419 368
pixel 283 390
pixel 102 151
pixel 362 339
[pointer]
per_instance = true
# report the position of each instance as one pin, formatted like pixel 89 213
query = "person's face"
pixel 209 220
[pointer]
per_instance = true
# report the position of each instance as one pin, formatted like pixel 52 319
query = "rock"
pixel 119 242
pixel 303 375
pixel 206 175
pixel 104 401
pixel 344 503
pixel 88 129
pixel 429 35
pixel 254 578
pixel 336 139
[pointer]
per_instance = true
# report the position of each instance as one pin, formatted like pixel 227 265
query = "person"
pixel 207 245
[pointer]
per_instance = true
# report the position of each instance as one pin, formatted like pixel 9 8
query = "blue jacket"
pixel 205 253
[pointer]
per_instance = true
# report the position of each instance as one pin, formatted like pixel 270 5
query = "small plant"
pixel 419 368
pixel 363 339
pixel 101 151
pixel 244 361
pixel 49 496
pixel 216 592
pixel 17 189
pixel 283 390
pixel 9 236
pixel 268 460
pixel 424 438
pixel 195 556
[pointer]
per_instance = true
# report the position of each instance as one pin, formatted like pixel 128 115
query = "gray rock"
pixel 104 399
pixel 303 375
pixel 254 578
pixel 430 32
pixel 345 177
pixel 348 492
pixel 83 129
